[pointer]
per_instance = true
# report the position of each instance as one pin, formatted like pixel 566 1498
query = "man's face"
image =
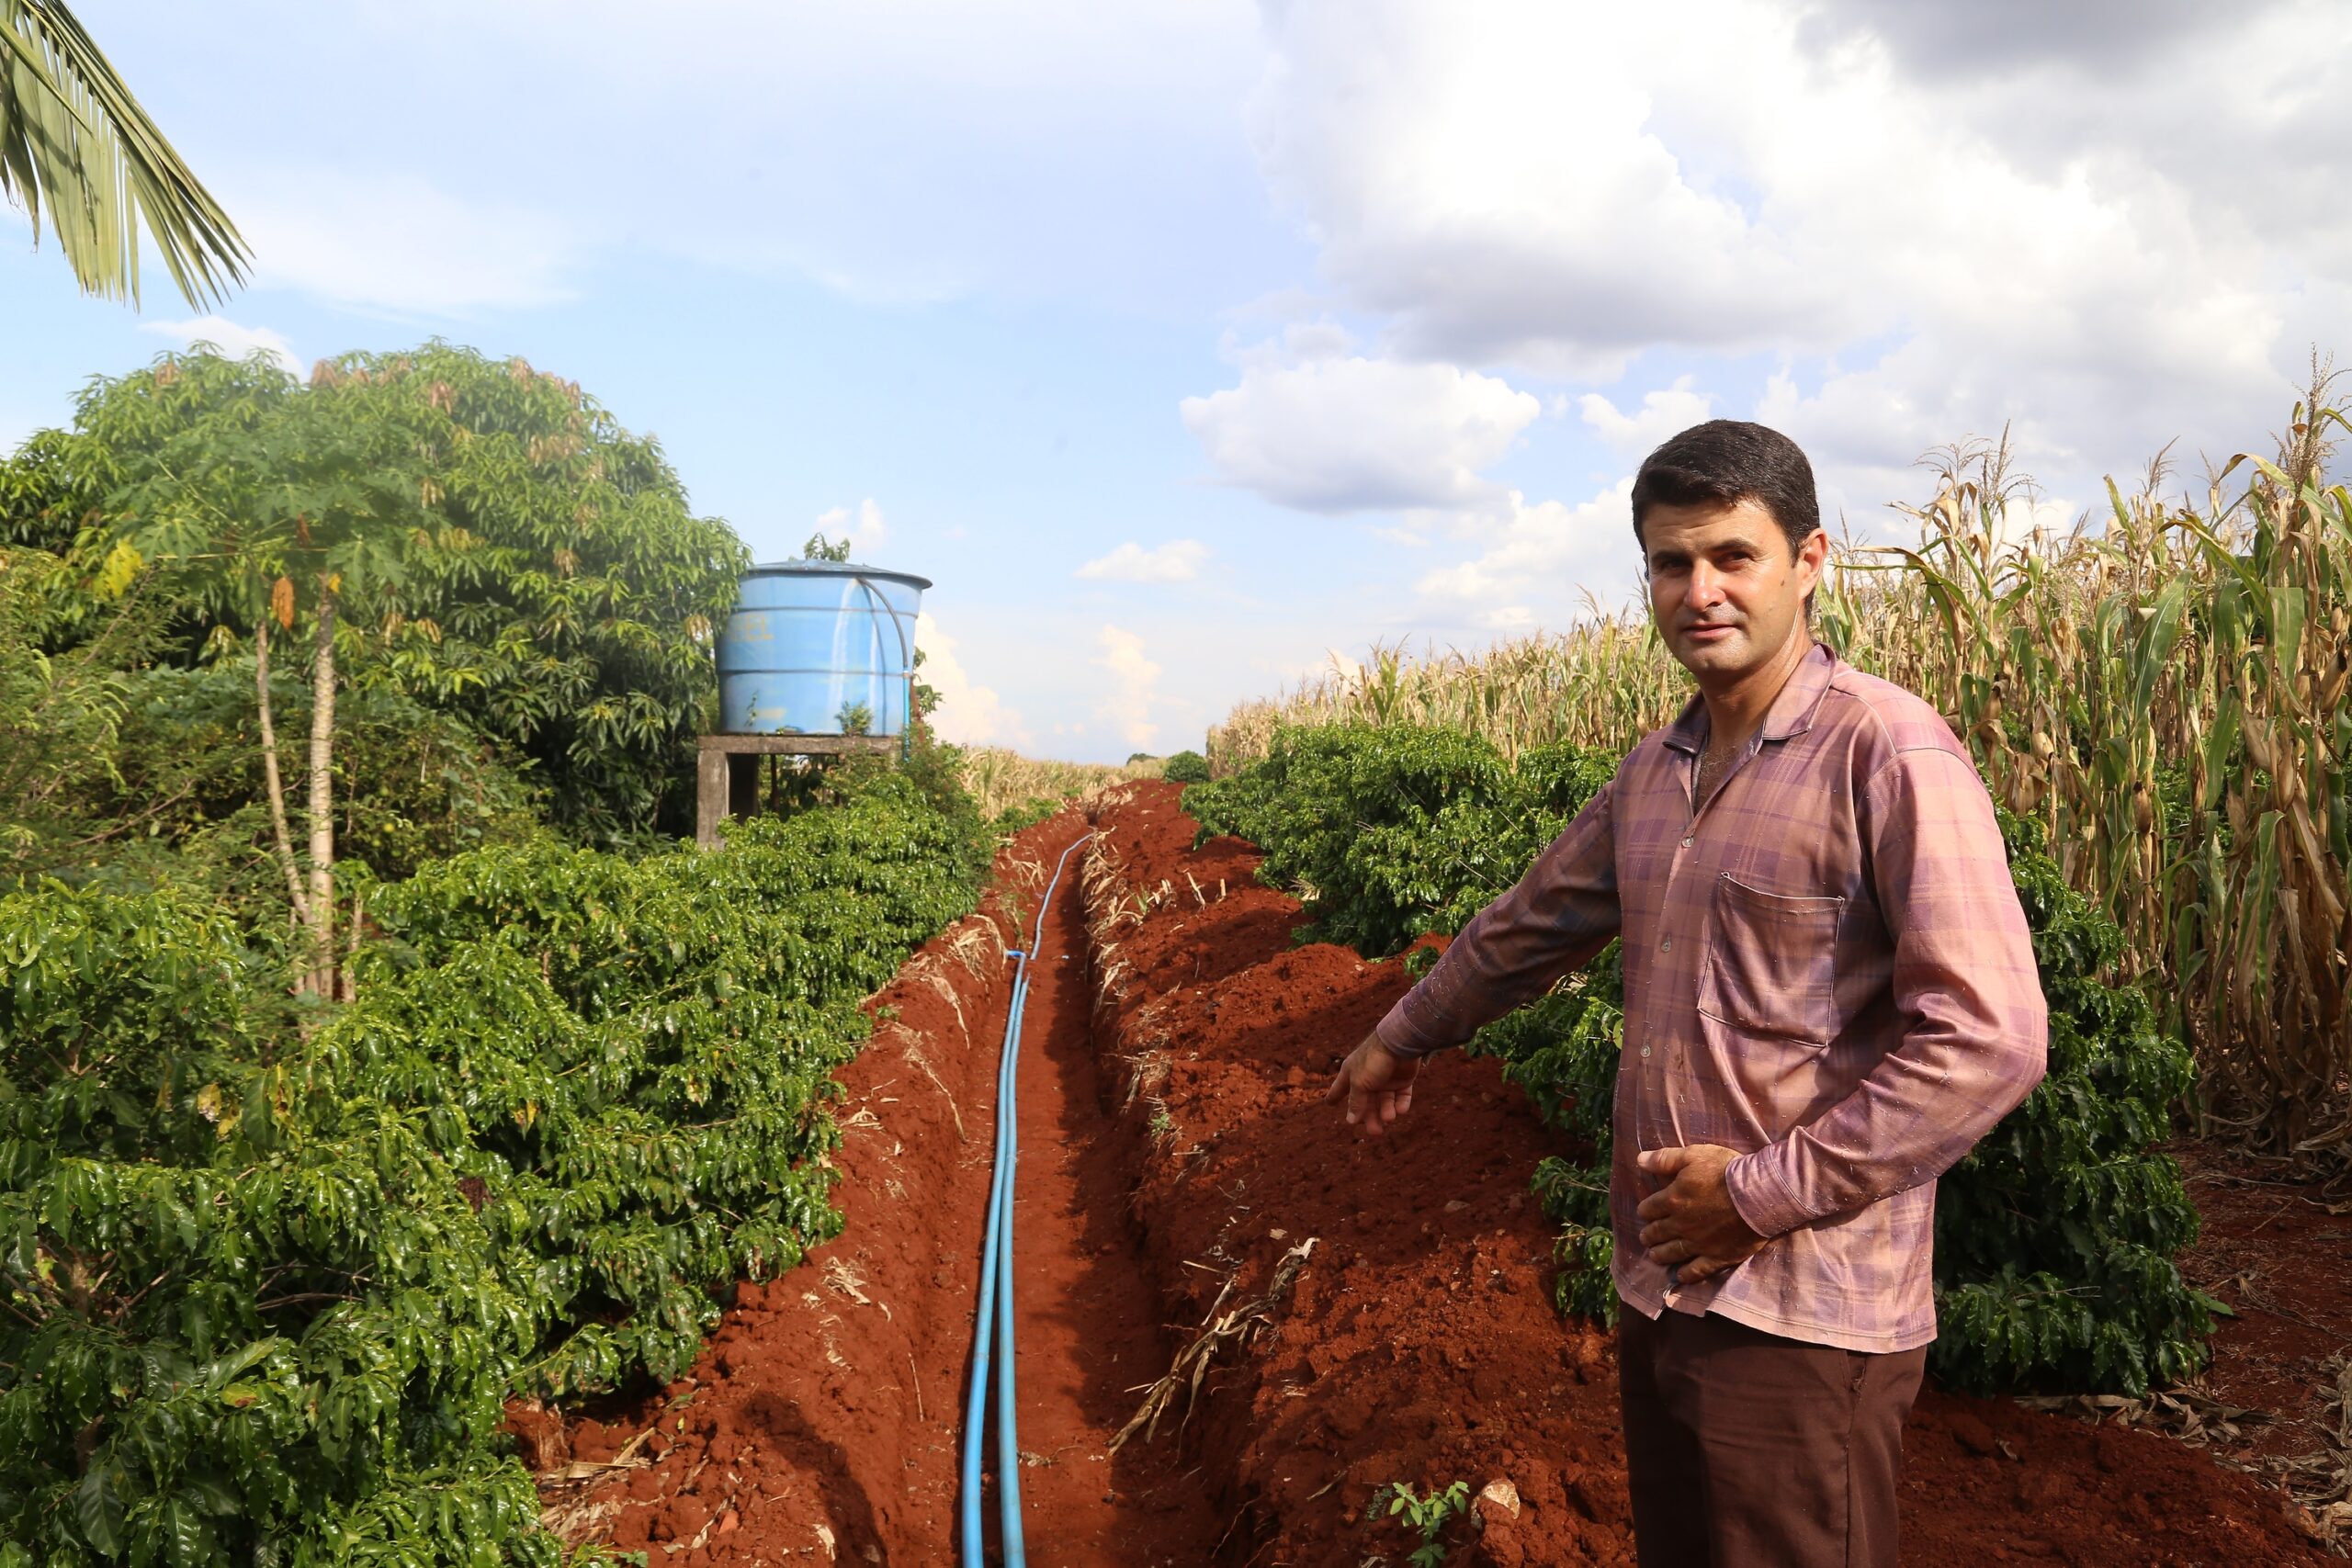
pixel 1725 589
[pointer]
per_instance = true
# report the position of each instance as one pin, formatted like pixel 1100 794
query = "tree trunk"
pixel 322 915
pixel 272 781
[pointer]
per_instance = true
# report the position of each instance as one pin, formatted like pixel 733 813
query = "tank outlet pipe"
pixel 992 1332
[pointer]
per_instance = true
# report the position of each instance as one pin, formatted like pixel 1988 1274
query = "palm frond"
pixel 72 135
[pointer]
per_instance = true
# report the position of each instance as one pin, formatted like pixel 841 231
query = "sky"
pixel 1193 346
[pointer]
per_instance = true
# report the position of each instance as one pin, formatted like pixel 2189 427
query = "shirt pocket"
pixel 1772 962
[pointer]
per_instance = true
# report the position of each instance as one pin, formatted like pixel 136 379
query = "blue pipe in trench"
pixel 993 1331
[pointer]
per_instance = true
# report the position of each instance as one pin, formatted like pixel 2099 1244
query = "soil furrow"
pixel 1089 1317
pixel 823 1420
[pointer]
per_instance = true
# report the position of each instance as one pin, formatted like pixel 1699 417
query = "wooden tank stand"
pixel 726 770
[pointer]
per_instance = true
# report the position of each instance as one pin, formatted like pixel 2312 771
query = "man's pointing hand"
pixel 1375 1084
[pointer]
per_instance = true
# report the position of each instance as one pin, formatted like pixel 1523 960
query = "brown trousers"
pixel 1748 1450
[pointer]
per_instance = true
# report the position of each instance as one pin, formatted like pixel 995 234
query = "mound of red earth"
pixel 1313 1316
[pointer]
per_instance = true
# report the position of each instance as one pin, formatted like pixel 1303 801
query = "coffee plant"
pixel 1390 832
pixel 1186 768
pixel 269 1276
pixel 2054 1238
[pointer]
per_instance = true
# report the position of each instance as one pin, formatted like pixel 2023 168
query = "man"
pixel 1831 995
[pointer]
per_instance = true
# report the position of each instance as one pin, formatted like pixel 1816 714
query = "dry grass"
pixel 1000 779
pixel 1234 1325
pixel 2163 689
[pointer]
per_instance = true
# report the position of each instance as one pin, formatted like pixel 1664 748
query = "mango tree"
pixel 546 584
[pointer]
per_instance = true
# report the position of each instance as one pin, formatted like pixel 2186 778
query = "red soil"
pixel 1177 1049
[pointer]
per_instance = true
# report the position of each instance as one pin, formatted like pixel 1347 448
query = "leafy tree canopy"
pixel 500 546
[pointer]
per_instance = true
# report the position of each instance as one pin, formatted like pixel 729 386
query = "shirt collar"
pixel 1791 712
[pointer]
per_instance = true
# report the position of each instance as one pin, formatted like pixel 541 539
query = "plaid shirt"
pixel 1827 970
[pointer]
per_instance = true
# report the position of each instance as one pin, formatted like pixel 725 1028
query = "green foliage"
pixel 1563 1050
pixel 74 138
pixel 2054 1238
pixel 1429 1515
pixel 504 551
pixel 267 1292
pixel 1393 831
pixel 1186 768
pixel 167 790
pixel 125 771
pixel 63 698
pixel 1027 814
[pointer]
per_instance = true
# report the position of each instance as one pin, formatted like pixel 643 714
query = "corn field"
pixel 2164 691
pixel 1000 779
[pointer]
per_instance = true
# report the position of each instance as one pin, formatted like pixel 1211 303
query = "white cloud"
pixel 1179 560
pixel 398 243
pixel 1334 433
pixel 1333 664
pixel 1135 686
pixel 1667 412
pixel 1565 186
pixel 864 528
pixel 1501 190
pixel 229 338
pixel 2023 517
pixel 1558 553
pixel 968 713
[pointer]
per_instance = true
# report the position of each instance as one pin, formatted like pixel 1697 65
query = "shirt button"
pixel 1667 946
pixel 1645 1053
pixel 1688 843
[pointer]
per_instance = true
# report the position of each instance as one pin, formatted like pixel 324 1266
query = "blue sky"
pixel 1187 346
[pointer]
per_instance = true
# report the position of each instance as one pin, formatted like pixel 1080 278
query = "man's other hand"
pixel 1376 1086
pixel 1689 1224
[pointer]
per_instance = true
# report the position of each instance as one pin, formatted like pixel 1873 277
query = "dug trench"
pixel 823 1420
pixel 1311 1317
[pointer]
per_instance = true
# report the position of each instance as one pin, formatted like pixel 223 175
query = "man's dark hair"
pixel 1727 461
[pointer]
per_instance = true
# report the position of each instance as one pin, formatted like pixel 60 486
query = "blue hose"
pixel 994 1329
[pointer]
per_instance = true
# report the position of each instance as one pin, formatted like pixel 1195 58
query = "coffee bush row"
pixel 267 1278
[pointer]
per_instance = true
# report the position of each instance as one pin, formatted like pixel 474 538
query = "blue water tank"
pixel 812 642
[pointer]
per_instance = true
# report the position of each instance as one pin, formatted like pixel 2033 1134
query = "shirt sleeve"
pixel 1976 1037
pixel 1560 914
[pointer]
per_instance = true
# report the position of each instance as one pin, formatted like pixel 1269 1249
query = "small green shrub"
pixel 1428 1515
pixel 2055 1236
pixel 1391 832
pixel 1028 814
pixel 1186 768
